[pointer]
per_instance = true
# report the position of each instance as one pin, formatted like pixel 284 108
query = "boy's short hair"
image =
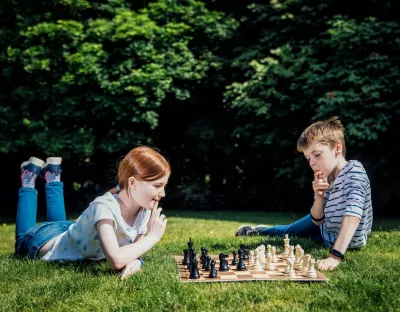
pixel 327 132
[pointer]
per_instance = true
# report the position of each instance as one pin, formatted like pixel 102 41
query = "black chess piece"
pixel 190 244
pixel 194 270
pixel 223 263
pixel 241 266
pixel 202 254
pixel 234 260
pixel 207 265
pixel 186 260
pixel 213 271
pixel 245 249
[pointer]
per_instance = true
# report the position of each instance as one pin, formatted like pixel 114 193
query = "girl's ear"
pixel 132 182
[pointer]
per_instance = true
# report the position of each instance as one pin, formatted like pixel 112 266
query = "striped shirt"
pixel 350 195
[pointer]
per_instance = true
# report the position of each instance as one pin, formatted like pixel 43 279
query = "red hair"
pixel 144 164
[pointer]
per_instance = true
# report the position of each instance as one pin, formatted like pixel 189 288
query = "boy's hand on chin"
pixel 328 264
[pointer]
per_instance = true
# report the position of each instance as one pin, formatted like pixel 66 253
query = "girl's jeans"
pixel 301 228
pixel 29 236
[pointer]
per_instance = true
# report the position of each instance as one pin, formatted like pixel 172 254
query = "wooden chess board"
pixel 234 275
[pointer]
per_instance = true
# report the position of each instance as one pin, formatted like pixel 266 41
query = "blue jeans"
pixel 29 236
pixel 301 228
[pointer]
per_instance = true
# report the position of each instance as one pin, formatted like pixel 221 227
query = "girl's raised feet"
pixel 51 170
pixel 30 170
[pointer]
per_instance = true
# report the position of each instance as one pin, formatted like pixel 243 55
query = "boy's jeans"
pixel 29 237
pixel 301 228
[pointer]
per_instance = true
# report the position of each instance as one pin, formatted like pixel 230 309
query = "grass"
pixel 368 280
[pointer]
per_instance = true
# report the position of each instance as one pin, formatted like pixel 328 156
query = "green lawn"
pixel 368 280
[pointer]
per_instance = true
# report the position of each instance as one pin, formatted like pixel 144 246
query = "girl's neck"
pixel 338 168
pixel 129 208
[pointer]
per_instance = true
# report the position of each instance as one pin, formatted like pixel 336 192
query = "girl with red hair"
pixel 120 225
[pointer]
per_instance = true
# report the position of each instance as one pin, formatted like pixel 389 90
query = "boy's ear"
pixel 338 148
pixel 132 181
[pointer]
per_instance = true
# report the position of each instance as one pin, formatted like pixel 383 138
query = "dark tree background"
pixel 222 88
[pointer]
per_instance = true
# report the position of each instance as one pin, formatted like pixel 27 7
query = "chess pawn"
pixel 186 260
pixel 194 270
pixel 291 253
pixel 251 257
pixel 262 255
pixel 273 255
pixel 306 260
pixel 291 272
pixel 269 266
pixel 311 269
pixel 206 265
pixel 241 266
pixel 257 265
pixel 269 248
pixel 234 260
pixel 213 271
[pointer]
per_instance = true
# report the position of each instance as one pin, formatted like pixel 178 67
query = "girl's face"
pixel 322 158
pixel 146 194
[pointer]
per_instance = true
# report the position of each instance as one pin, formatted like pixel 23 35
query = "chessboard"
pixel 233 275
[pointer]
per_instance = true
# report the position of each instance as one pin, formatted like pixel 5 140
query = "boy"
pixel 342 206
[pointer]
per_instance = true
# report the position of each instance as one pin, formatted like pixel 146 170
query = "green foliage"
pixel 93 80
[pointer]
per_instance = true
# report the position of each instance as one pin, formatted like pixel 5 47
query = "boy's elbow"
pixel 317 222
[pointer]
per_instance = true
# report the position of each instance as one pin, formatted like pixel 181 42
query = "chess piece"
pixel 286 241
pixel 306 260
pixel 194 270
pixel 185 260
pixel 269 250
pixel 245 249
pixel 311 273
pixel 206 265
pixel 251 257
pixel 268 265
pixel 223 263
pixel 273 255
pixel 241 266
pixel 213 271
pixel 299 264
pixel 291 272
pixel 234 260
pixel 291 256
pixel 190 244
pixel 257 265
pixel 262 255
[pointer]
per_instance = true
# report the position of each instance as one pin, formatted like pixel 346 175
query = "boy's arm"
pixel 347 229
pixel 317 210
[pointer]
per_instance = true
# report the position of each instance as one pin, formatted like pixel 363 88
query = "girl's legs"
pixel 54 190
pixel 301 228
pixel 27 202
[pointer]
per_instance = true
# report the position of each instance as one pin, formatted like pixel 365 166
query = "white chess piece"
pixel 291 272
pixel 269 250
pixel 262 254
pixel 251 257
pixel 311 269
pixel 273 255
pixel 291 253
pixel 269 266
pixel 257 265
pixel 306 260
pixel 299 264
pixel 286 241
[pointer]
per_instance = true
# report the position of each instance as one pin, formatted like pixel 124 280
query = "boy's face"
pixel 322 158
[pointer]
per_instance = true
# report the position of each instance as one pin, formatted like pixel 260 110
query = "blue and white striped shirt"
pixel 350 195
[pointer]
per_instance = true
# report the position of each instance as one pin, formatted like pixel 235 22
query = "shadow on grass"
pixel 256 217
pixel 92 267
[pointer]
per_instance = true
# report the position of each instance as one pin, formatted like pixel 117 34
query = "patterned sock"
pixel 30 170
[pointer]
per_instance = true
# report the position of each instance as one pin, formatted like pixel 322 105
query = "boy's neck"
pixel 341 163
